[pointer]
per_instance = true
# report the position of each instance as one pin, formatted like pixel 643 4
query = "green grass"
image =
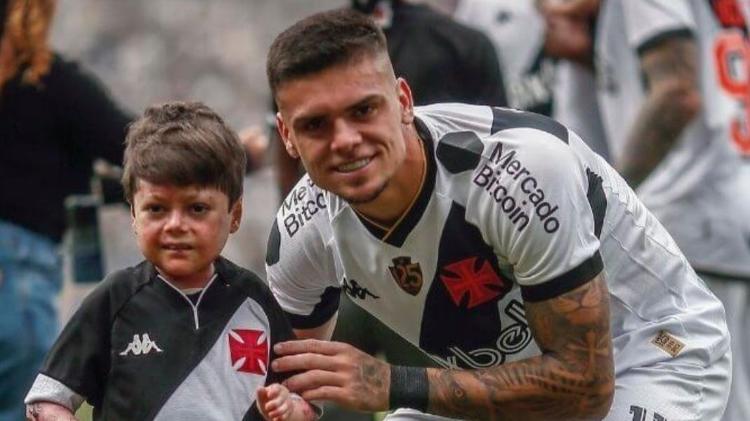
pixel 84 412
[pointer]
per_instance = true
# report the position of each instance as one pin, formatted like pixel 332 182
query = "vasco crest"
pixel 407 275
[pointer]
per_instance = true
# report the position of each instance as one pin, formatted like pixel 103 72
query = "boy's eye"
pixel 199 208
pixel 154 208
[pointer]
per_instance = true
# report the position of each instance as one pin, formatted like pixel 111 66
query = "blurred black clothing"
pixel 441 59
pixel 50 135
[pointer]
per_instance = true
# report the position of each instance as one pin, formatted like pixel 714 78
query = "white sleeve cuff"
pixel 47 389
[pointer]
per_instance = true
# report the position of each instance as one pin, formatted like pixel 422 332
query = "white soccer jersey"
pixel 691 191
pixel 514 208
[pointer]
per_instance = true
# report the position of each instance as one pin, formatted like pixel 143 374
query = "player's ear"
pixel 132 219
pixel 236 217
pixel 405 100
pixel 286 136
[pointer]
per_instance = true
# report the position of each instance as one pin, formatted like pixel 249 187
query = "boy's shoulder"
pixel 119 286
pixel 244 279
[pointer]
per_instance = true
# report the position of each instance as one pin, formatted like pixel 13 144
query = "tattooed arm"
pixel 48 411
pixel 572 379
pixel 672 101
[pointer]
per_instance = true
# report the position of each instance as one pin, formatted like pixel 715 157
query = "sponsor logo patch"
pixel 668 343
pixel 248 350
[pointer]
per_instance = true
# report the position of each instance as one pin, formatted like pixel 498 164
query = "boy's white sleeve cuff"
pixel 47 389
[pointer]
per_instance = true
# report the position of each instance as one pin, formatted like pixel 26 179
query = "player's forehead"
pixel 336 88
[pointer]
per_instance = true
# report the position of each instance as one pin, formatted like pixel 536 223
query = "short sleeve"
pixel 537 211
pixel 300 264
pixel 647 21
pixel 76 367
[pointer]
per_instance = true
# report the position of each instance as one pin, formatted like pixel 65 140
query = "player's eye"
pixel 364 110
pixel 313 124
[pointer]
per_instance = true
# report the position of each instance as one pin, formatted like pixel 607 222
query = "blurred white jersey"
pixel 693 190
pixel 516 29
pixel 533 81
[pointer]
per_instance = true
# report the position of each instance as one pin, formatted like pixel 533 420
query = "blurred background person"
pixel 672 85
pixel 534 79
pixel 55 119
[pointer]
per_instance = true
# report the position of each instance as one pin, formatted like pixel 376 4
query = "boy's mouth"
pixel 176 246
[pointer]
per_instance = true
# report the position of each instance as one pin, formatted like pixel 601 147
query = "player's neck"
pixel 402 190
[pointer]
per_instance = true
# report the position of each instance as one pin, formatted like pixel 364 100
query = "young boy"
pixel 186 334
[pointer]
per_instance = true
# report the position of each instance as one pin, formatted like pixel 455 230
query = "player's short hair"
pixel 321 41
pixel 183 144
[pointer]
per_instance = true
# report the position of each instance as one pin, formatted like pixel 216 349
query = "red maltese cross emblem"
pixel 249 350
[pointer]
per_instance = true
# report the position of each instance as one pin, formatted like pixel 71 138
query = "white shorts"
pixel 672 392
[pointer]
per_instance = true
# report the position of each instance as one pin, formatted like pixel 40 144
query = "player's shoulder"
pixel 302 220
pixel 466 135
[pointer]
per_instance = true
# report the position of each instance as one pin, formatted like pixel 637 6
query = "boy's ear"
pixel 236 217
pixel 285 136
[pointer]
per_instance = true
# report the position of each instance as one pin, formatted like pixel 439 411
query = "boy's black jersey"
pixel 139 349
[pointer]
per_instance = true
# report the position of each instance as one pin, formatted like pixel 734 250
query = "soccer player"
pixel 674 97
pixel 186 334
pixel 492 239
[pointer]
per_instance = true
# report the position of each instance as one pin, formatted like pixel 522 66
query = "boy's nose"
pixel 176 221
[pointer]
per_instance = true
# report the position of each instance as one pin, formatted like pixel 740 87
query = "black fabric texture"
pixel 50 136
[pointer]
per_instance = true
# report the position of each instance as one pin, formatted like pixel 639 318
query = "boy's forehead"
pixel 145 188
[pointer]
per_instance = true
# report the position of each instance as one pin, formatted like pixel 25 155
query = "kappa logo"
pixel 141 345
pixel 354 290
pixel 248 350
pixel 467 277
pixel 407 275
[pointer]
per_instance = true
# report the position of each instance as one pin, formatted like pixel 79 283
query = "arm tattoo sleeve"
pixel 672 101
pixel 572 379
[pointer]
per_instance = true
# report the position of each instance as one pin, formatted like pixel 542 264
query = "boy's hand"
pixel 275 402
pixel 48 411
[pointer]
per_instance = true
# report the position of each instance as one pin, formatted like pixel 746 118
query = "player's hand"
pixel 275 403
pixel 336 372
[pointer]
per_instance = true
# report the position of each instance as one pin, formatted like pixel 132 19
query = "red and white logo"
pixel 473 277
pixel 249 350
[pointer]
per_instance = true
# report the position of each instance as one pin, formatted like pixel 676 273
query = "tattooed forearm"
pixel 672 102
pixel 573 379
